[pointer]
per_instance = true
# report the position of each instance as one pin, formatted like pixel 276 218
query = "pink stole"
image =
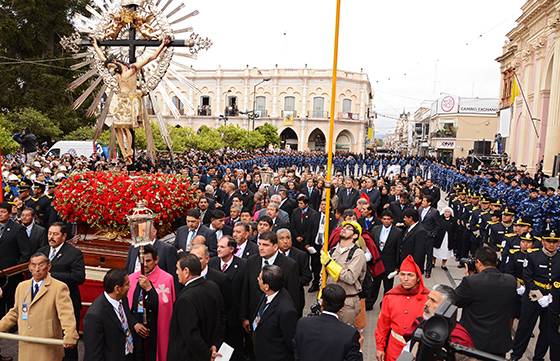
pixel 165 287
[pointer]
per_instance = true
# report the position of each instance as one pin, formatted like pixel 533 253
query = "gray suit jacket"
pixel 210 236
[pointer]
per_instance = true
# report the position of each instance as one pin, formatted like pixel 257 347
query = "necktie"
pixel 260 312
pixel 224 267
pixel 189 239
pixel 266 263
pixel 128 347
pixel 52 254
pixel 34 291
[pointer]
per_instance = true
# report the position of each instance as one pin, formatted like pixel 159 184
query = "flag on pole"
pixel 514 90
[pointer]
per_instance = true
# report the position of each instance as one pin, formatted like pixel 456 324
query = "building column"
pixel 552 145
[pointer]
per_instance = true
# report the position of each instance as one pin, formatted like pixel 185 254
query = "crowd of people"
pixel 236 268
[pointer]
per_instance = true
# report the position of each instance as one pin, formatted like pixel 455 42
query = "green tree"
pixel 270 133
pixel 29 77
pixel 86 133
pixel 7 144
pixel 41 125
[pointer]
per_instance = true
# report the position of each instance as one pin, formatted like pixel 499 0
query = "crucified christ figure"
pixel 129 97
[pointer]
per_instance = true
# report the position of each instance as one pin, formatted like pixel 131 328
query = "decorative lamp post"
pixel 141 223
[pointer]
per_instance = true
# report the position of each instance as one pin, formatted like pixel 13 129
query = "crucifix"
pixel 127 76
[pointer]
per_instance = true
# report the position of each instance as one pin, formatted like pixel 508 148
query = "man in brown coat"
pixel 42 308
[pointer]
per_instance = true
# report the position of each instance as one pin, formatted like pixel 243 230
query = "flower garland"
pixel 102 200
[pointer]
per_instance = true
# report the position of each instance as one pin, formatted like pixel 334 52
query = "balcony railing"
pixel 351 116
pixel 318 114
pixel 288 113
pixel 261 113
pixel 231 111
pixel 204 111
pixel 445 133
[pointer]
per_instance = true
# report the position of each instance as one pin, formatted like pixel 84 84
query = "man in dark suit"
pixel 196 329
pixel 37 234
pixel 217 224
pixel 234 268
pixel 373 193
pixel 245 248
pixel 268 254
pixel 274 322
pixel 414 239
pixel 286 204
pixel 194 227
pixel 167 256
pixel 312 194
pixel 67 265
pixel 14 249
pixel 369 219
pixel 397 208
pixel 387 238
pixel 302 259
pixel 429 218
pixel 431 190
pixel 203 206
pixel 324 337
pixel 245 195
pixel 108 324
pixel 301 223
pixel 488 300
pixel 347 196
pixel 314 248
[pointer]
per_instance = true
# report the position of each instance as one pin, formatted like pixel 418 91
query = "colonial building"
pixel 530 122
pixel 296 101
pixel 453 127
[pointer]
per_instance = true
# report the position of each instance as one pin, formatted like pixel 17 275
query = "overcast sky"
pixel 412 50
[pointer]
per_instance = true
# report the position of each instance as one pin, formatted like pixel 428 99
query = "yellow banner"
pixel 370 133
pixel 289 120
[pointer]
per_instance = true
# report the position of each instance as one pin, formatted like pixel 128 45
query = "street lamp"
pixel 253 114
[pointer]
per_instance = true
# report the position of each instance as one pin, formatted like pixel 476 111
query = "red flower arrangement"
pixel 102 200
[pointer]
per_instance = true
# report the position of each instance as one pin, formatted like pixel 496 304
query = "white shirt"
pixel 270 260
pixel 228 263
pixel 271 297
pixel 40 283
pixel 330 314
pixel 29 228
pixel 383 236
pixel 424 212
pixel 192 280
pixel 241 249
pixel 219 232
pixel 410 228
pixel 204 272
pixel 54 251
pixel 287 253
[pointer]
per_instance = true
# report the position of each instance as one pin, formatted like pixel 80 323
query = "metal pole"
pixel 330 143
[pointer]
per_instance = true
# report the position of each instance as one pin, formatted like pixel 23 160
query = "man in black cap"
pixel 498 231
pixel 41 203
pixel 539 274
pixel 513 240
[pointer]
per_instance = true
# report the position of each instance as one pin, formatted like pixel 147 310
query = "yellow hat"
pixel 354 224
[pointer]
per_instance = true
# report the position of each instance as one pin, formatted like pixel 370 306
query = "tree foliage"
pixel 33 119
pixel 36 72
pixel 7 143
pixel 270 133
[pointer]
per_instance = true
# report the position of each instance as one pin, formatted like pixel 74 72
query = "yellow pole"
pixel 330 142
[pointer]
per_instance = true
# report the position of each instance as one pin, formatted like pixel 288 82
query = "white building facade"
pixel 296 101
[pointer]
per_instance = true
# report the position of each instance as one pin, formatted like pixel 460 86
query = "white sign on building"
pixel 478 106
pixel 444 144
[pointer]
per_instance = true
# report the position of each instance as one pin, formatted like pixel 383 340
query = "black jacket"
pixel 14 245
pixel 397 210
pixel 167 258
pixel 345 200
pixel 390 252
pixel 275 332
pixel 196 324
pixel 38 238
pixel 431 222
pixel 104 338
pixel 68 266
pixel 252 294
pixel 414 243
pixel 488 301
pixel 305 276
pixel 182 234
pixel 448 226
pixel 324 337
pixel 301 226
pixel 251 249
